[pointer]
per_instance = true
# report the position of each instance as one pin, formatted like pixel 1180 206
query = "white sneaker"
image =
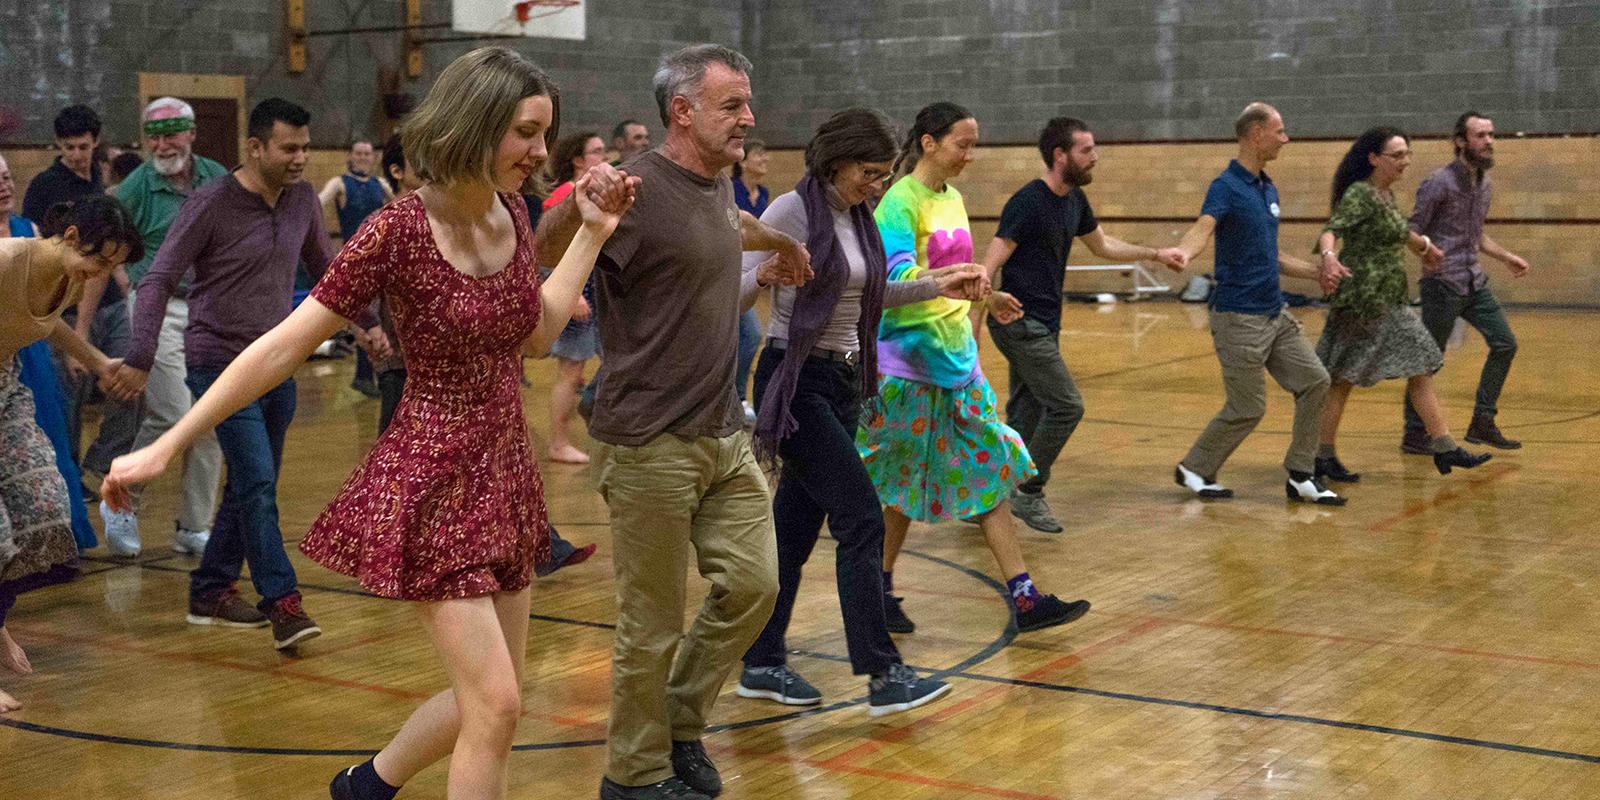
pixel 1199 484
pixel 122 531
pixel 1311 491
pixel 190 543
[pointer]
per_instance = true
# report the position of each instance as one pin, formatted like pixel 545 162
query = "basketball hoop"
pixel 526 11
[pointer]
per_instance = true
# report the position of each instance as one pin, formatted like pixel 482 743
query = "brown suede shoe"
pixel 225 608
pixel 1484 431
pixel 290 625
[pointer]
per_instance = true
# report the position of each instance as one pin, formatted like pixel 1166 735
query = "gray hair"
pixel 183 109
pixel 1256 113
pixel 682 71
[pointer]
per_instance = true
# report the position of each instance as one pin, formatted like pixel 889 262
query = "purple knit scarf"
pixel 814 304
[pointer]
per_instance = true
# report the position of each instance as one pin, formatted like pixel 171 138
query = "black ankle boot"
pixel 1332 469
pixel 1484 431
pixel 1458 458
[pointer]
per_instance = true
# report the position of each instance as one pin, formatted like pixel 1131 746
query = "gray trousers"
pixel 110 331
pixel 1249 345
pixel 166 400
pixel 1044 404
pixel 1441 306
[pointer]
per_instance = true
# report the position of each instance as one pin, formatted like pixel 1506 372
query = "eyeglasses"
pixel 871 174
pixel 1402 154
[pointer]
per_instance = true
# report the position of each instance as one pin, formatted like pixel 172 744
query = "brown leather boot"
pixel 1484 431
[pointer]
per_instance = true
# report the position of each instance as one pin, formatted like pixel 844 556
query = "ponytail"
pixel 934 120
pixel 100 220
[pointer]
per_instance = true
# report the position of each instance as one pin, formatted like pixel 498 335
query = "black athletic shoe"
pixel 669 789
pixel 1049 611
pixel 1334 470
pixel 692 766
pixel 897 620
pixel 1458 458
pixel 340 788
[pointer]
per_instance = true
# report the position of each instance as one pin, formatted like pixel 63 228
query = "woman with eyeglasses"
pixel 817 371
pixel 1371 335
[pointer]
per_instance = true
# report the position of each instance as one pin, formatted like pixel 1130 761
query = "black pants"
pixel 823 479
pixel 391 384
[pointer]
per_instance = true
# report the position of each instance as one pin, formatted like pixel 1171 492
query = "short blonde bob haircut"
pixel 453 135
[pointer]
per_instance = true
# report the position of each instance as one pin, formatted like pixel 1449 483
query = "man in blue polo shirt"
pixel 1252 331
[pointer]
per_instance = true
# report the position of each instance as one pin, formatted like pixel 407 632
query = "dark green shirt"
pixel 154 202
pixel 1374 233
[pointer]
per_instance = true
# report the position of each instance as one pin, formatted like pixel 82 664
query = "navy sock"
pixel 888 583
pixel 1023 594
pixel 368 786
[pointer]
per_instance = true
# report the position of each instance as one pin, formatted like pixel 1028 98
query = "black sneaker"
pixel 669 789
pixel 900 689
pixel 1049 611
pixel 1484 431
pixel 692 766
pixel 779 684
pixel 340 788
pixel 897 620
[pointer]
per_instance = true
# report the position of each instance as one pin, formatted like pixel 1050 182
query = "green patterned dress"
pixel 1371 334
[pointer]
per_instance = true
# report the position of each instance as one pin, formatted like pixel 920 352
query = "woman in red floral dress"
pixel 448 508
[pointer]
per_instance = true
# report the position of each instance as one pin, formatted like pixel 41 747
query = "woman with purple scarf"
pixel 810 385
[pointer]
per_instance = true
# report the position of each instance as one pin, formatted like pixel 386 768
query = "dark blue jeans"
pixel 823 479
pixel 246 528
pixel 1440 308
pixel 749 343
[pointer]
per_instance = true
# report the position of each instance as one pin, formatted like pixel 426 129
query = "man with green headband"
pixel 154 192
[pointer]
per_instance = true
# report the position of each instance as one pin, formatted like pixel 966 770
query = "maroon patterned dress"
pixel 449 503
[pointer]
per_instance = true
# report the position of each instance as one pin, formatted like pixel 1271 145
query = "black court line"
pixel 959 670
pixel 1300 718
pixel 982 655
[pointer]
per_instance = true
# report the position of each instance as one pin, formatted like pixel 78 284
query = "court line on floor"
pixel 994 647
pixel 1444 495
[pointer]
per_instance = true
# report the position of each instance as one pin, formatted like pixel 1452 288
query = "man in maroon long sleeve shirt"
pixel 242 236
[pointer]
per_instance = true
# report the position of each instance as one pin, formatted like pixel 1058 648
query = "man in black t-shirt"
pixel 1030 252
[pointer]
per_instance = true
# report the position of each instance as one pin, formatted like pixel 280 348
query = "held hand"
pixel 1432 259
pixel 110 387
pixel 962 285
pixel 793 264
pixel 1005 307
pixel 603 198
pixel 1174 258
pixel 580 312
pixel 1517 264
pixel 124 381
pixel 375 342
pixel 1333 273
pixel 131 470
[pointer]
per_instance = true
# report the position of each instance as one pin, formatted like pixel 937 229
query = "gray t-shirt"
pixel 668 298
pixel 788 215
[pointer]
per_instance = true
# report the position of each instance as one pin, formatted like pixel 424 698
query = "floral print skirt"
pixel 35 519
pixel 1365 350
pixel 940 453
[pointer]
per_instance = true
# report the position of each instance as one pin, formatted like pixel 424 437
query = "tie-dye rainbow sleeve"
pixel 931 341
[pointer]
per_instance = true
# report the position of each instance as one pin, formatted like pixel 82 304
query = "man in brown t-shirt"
pixel 675 465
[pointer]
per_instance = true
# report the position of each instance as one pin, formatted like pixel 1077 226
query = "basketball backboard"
pixel 553 19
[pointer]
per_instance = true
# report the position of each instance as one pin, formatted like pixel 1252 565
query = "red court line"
pixel 1442 497
pixel 280 672
pixel 893 775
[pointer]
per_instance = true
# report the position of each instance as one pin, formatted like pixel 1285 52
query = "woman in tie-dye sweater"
pixel 938 450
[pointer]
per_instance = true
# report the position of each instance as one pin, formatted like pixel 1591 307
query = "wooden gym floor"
pixel 1436 638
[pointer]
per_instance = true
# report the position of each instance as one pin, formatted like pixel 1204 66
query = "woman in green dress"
pixel 1371 335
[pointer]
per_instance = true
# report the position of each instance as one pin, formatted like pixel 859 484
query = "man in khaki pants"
pixel 674 463
pixel 1252 331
